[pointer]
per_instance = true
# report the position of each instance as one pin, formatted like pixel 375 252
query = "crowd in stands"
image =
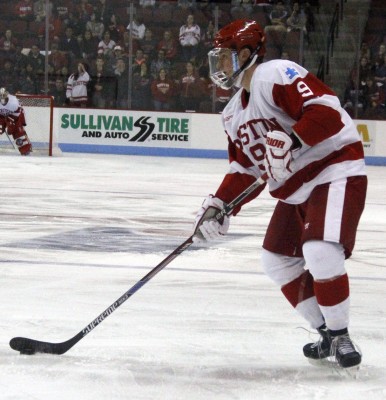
pixel 90 46
pixel 365 93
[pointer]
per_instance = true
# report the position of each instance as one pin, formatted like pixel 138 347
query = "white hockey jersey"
pixel 12 108
pixel 190 35
pixel 77 87
pixel 286 97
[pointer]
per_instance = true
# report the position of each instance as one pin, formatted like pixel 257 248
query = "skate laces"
pixel 344 345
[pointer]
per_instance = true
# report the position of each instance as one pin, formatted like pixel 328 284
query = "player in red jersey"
pixel 12 121
pixel 284 122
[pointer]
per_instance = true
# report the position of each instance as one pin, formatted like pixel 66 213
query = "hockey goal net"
pixel 39 114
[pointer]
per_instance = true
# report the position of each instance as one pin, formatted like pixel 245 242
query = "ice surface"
pixel 78 231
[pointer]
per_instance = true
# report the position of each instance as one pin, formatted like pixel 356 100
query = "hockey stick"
pixel 12 142
pixel 31 346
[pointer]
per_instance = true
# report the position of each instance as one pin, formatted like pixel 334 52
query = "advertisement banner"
pixel 366 130
pixel 124 128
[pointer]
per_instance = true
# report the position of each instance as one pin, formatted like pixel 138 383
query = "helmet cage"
pixel 219 77
pixel 4 96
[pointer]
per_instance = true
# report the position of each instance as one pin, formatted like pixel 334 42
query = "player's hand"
pixel 206 227
pixel 278 156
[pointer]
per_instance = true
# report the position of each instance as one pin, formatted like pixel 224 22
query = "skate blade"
pixel 332 364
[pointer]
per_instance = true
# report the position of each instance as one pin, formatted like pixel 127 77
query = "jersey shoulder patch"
pixel 283 72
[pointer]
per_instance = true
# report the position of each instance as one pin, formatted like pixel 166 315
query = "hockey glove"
pixel 206 227
pixel 278 156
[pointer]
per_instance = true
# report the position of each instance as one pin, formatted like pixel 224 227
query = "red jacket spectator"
pixel 168 45
pixel 57 58
pixel 8 42
pixel 24 10
pixel 163 91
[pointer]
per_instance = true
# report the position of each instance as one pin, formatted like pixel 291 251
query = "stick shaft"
pixel 31 346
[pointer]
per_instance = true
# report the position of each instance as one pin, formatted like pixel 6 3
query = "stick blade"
pixel 31 346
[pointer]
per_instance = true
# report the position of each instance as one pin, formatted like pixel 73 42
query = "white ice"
pixel 78 231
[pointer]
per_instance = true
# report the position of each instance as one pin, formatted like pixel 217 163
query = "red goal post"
pixel 39 115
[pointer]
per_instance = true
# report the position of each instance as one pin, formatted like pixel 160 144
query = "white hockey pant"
pixel 325 261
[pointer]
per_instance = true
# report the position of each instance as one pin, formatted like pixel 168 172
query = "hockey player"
pixel 287 123
pixel 12 121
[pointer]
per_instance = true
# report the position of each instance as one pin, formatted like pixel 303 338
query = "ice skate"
pixel 346 354
pixel 336 352
pixel 320 349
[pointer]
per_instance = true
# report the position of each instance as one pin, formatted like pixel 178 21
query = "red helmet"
pixel 239 34
pixel 234 37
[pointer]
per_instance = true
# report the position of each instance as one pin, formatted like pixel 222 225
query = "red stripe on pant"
pixel 300 289
pixel 331 293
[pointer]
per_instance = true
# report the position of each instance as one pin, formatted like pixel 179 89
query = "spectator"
pixel 105 11
pixel 76 24
pixel 29 82
pixel 122 82
pixel 206 100
pixel 58 92
pixel 116 55
pixel 8 76
pixel 297 20
pixel 102 85
pixel 76 89
pixel 374 99
pixel 125 44
pixel 277 17
pixel 222 97
pixel 19 62
pixel 207 40
pixel 190 35
pixel 39 10
pixel 362 74
pixel 138 60
pixel 191 88
pixel 163 91
pixel 36 59
pixel 365 51
pixel 89 47
pixel 115 28
pixel 276 30
pixel 141 97
pixel 169 45
pixel 24 11
pixel 149 45
pixel 380 72
pixel 310 18
pixel 70 45
pixel 107 44
pixel 57 58
pixel 241 8
pixel 159 63
pixel 63 10
pixel 379 56
pixel 137 27
pixel 207 6
pixel 8 44
pixel 354 98
pixel 55 26
pixel 51 76
pixel 95 26
pixel 84 10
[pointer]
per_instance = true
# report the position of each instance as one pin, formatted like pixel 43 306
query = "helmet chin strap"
pixel 237 77
pixel 240 76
